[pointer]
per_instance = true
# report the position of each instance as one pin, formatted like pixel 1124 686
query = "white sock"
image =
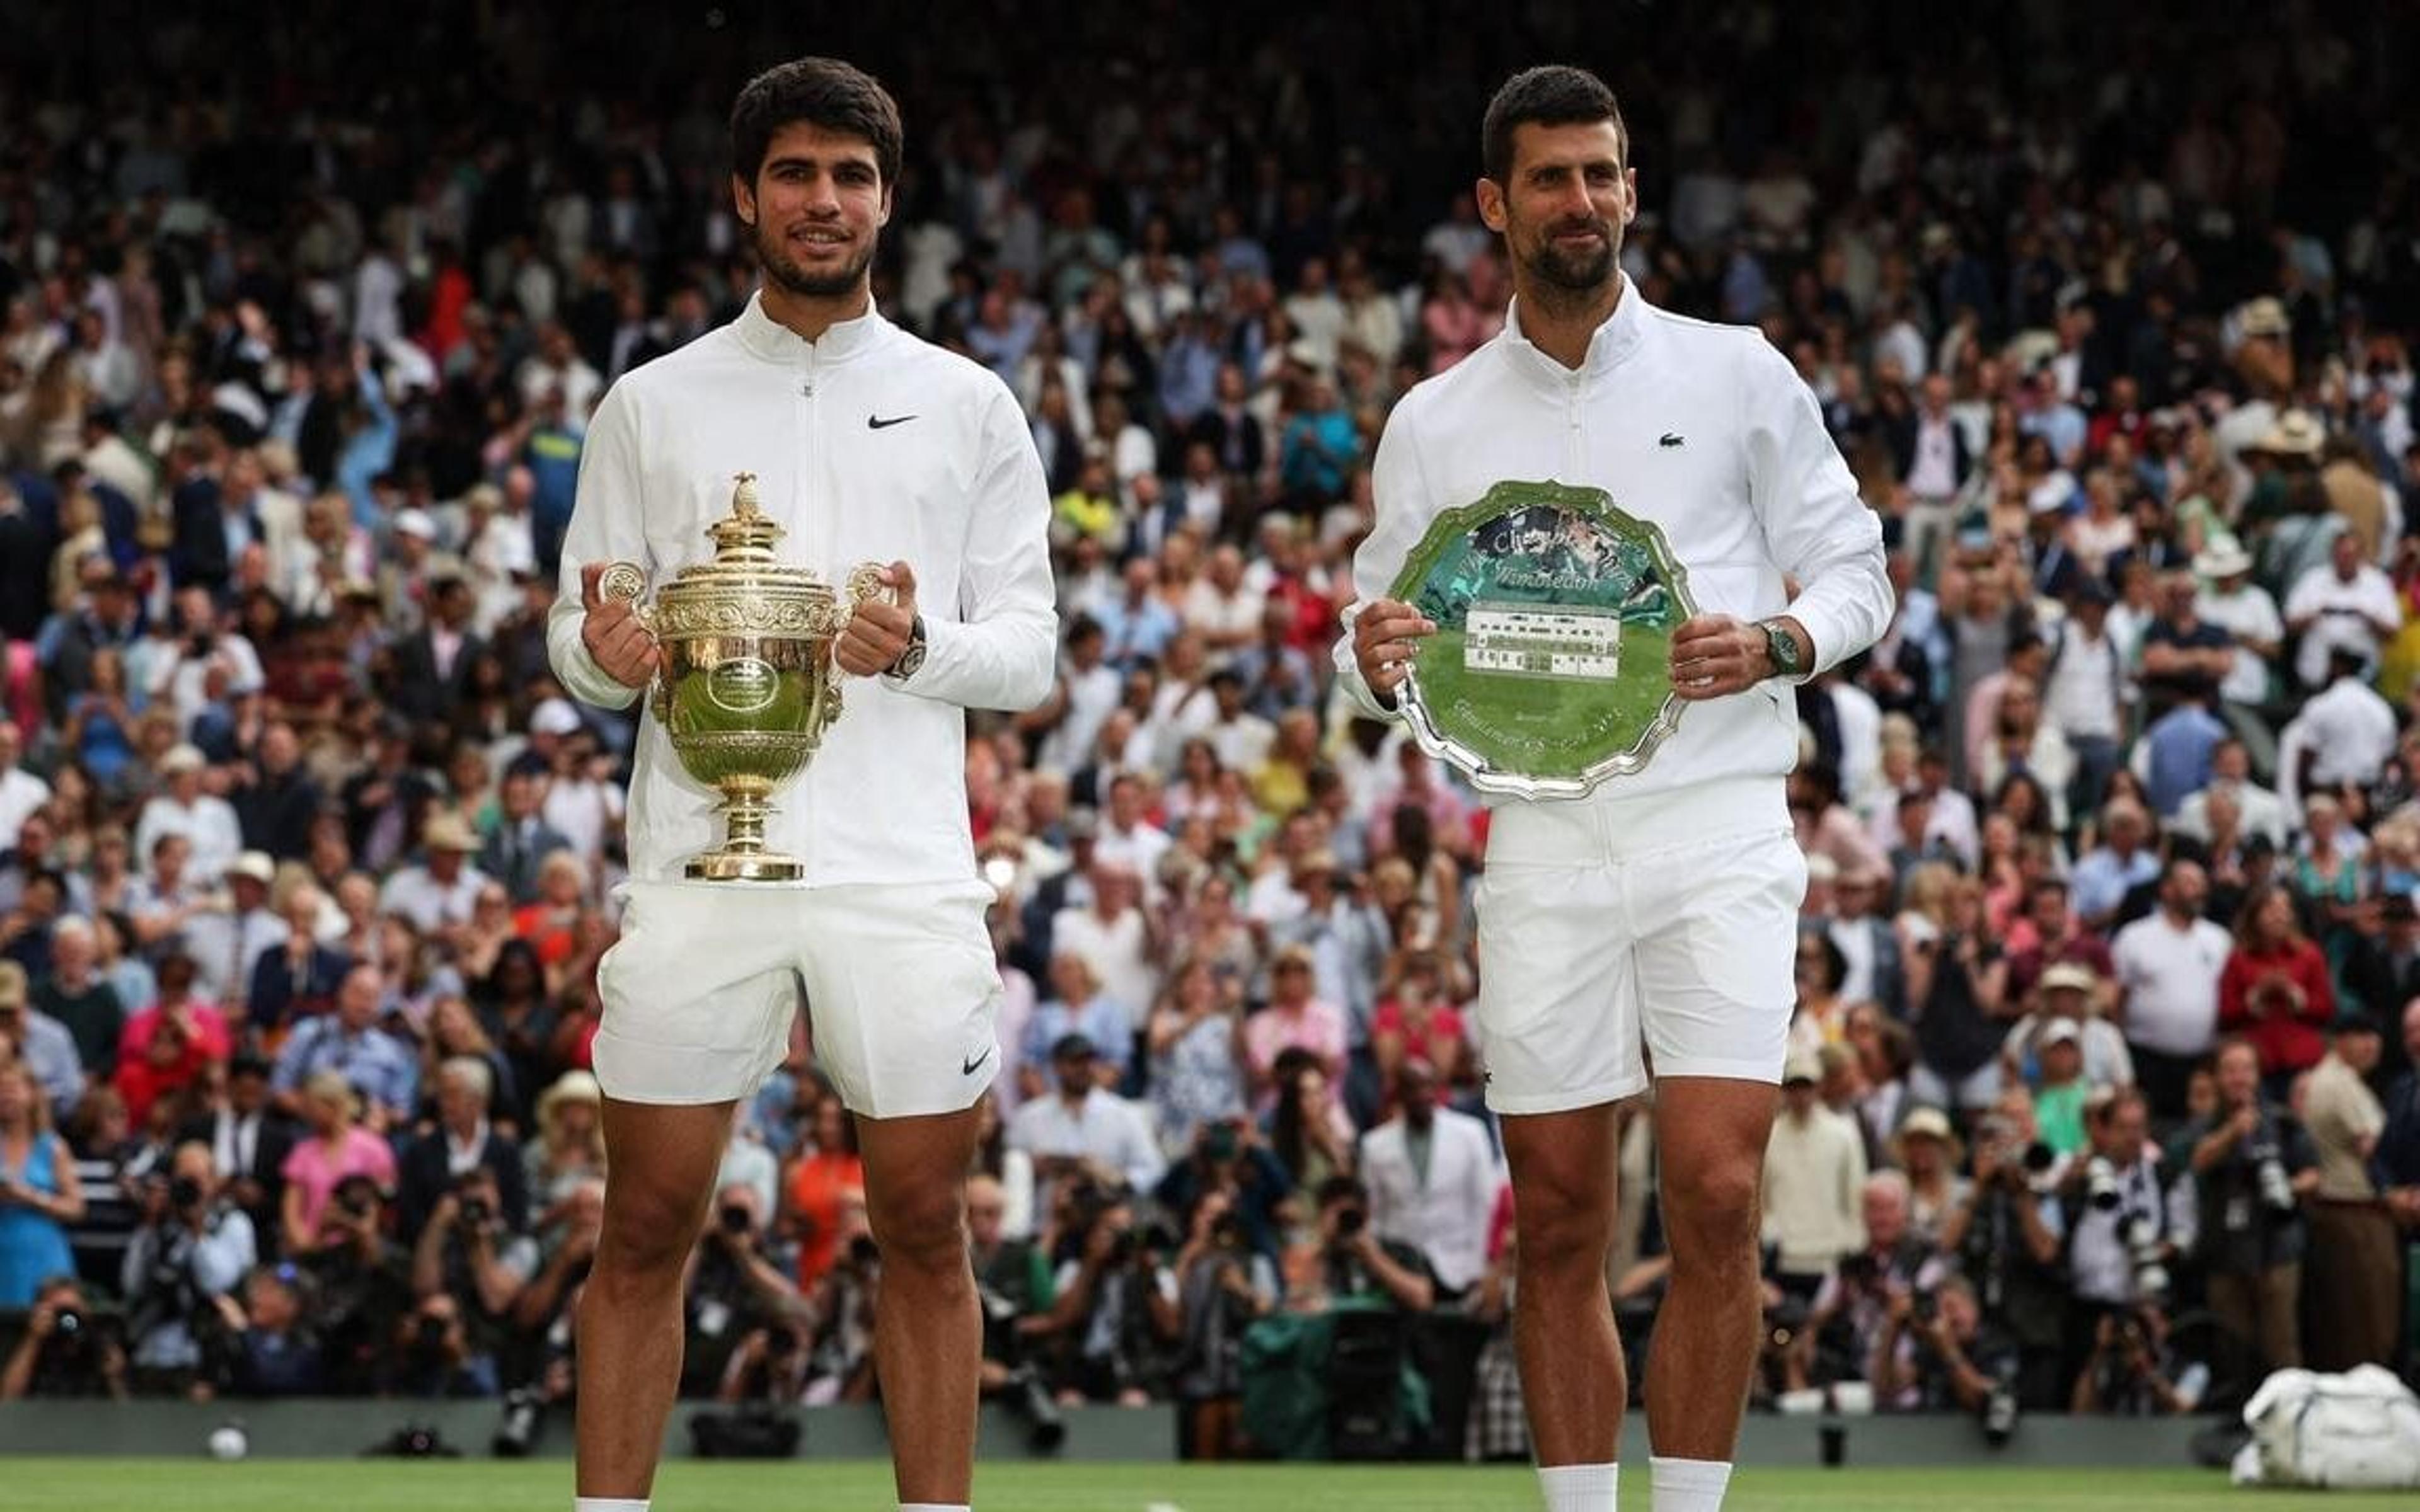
pixel 1579 1487
pixel 1688 1485
pixel 609 1504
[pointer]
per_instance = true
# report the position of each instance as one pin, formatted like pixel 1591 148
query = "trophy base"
pixel 745 868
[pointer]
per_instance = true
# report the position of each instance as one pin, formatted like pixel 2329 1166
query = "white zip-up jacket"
pixel 1703 430
pixel 947 481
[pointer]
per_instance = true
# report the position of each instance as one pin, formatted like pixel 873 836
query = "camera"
pixel 781 1340
pixel 1122 1247
pixel 431 1336
pixel 1999 1414
pixel 1028 1399
pixel 735 1219
pixel 516 1431
pixel 863 1251
pixel 2100 1186
pixel 1159 1239
pixel 2141 1237
pixel 185 1191
pixel 476 1212
pixel 2268 1169
pixel 68 1325
pixel 1226 1233
pixel 1350 1220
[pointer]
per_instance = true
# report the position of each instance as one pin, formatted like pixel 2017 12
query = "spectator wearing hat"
pixel 2059 1084
pixel 2077 991
pixel 1814 1180
pixel 2346 604
pixel 517 848
pixel 1926 1149
pixel 207 822
pixel 569 1148
pixel 1079 1130
pixel 438 893
pixel 2351 1274
pixel 2233 602
pixel 227 938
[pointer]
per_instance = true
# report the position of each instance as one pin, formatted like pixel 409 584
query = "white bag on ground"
pixel 2358 1430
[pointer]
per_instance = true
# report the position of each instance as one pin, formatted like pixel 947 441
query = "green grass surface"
pixel 813 1486
pixel 1528 721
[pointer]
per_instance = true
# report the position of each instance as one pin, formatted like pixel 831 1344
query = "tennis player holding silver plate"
pixel 1606 544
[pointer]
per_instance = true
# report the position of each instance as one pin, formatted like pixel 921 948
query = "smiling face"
pixel 1563 206
pixel 815 210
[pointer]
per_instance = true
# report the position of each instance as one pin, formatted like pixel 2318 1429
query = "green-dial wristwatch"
pixel 1781 649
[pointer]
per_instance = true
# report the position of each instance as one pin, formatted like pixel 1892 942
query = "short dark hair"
pixel 1554 95
pixel 819 91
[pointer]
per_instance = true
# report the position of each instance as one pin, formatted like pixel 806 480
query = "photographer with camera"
pixel 1013 1279
pixel 1337 1256
pixel 469 1256
pixel 1835 1340
pixel 193 1247
pixel 361 1283
pixel 748 1323
pixel 1115 1311
pixel 1937 1353
pixel 2006 1237
pixel 2252 1168
pixel 544 1313
pixel 64 1350
pixel 2132 1371
pixel 1223 1284
pixel 2127 1223
pixel 273 1350
pixel 839 1350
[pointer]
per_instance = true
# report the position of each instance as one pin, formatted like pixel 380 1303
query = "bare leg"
pixel 1710 1136
pixel 927 1325
pixel 660 1163
pixel 1572 1378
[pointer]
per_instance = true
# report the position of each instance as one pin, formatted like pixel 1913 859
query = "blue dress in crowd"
pixel 32 1246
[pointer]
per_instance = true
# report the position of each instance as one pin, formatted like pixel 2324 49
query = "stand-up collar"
pixel 1613 341
pixel 777 343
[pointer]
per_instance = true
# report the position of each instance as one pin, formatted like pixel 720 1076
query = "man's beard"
pixel 780 268
pixel 1575 272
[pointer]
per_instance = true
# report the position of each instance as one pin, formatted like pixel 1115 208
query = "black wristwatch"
pixel 1781 649
pixel 911 658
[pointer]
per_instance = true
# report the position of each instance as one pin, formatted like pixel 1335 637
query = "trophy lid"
pixel 747 534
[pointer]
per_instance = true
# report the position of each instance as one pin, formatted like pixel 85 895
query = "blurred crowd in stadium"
pixel 2101 1094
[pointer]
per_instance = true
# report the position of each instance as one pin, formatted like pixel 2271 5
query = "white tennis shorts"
pixel 901 990
pixel 1670 925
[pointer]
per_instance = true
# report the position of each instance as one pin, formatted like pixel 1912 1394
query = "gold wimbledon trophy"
pixel 745 683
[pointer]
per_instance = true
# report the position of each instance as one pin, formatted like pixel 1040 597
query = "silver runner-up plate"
pixel 1551 667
